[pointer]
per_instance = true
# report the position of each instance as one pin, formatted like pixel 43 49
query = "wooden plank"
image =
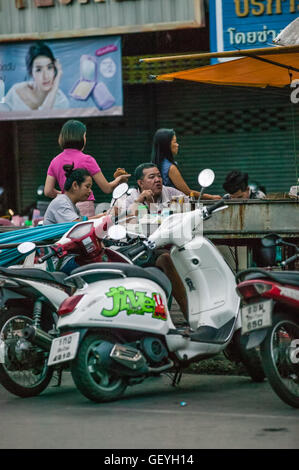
pixel 276 50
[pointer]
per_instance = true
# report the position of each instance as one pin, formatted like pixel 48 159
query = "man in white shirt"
pixel 151 191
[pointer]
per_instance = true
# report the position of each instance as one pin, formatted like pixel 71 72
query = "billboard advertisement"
pixel 248 24
pixel 78 77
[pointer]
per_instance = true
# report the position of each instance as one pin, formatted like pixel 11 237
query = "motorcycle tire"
pixel 281 369
pixel 94 382
pixel 20 376
pixel 250 358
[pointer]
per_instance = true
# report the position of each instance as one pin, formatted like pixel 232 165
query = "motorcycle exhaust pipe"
pixel 38 337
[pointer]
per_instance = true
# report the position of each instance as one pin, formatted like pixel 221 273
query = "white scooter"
pixel 117 329
pixel 30 297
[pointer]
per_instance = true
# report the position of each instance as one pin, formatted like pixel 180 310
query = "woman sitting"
pixel 77 188
pixel 63 208
pixel 165 148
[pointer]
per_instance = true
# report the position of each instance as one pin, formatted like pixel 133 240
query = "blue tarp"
pixel 37 234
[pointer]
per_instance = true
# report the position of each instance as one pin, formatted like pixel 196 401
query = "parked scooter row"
pixel 270 319
pixel 30 298
pixel 109 321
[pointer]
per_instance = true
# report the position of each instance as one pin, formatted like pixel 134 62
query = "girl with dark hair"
pixel 42 91
pixel 72 140
pixel 77 188
pixel 165 148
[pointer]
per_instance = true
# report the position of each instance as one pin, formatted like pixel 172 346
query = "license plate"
pixel 256 316
pixel 63 348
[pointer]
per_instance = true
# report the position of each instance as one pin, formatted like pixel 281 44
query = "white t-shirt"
pixel 165 197
pixel 61 210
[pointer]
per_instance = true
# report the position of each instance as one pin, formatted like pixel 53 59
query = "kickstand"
pixel 58 378
pixel 177 378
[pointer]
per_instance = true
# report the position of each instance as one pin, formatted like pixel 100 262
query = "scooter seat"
pixel 283 277
pixel 92 274
pixel 34 274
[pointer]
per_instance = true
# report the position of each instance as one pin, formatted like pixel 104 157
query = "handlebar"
pixel 47 256
pixel 58 250
pixel 290 260
pixel 136 250
pixel 215 206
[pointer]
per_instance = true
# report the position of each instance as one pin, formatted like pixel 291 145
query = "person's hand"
pixel 146 195
pixel 211 196
pixel 58 73
pixel 122 179
pixel 51 96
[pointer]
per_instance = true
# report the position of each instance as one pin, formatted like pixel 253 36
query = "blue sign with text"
pixel 248 24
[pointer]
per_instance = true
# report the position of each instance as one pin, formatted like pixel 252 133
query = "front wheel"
pixel 23 367
pixel 279 358
pixel 92 379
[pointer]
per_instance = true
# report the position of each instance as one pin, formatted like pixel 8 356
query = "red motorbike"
pixel 270 319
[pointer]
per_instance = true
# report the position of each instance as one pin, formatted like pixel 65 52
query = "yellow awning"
pixel 246 71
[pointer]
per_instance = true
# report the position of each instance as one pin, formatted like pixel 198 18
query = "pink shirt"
pixel 68 157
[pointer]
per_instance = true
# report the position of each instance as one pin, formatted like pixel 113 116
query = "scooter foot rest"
pixel 208 334
pixel 185 331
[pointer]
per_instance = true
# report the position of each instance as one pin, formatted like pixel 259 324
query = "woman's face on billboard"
pixel 43 73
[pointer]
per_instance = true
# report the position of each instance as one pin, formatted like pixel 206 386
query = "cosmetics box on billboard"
pixel 88 76
pixel 102 96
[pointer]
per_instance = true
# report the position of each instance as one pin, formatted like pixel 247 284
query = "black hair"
pixel 79 175
pixel 235 180
pixel 143 166
pixel 161 146
pixel 72 135
pixel 37 49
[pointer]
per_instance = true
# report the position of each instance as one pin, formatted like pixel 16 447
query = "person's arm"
pixel 179 182
pixel 49 189
pixel 146 197
pixel 108 186
pixel 51 96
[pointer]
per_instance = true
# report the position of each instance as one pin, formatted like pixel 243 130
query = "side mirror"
pixel 120 190
pixel 40 190
pixel 206 178
pixel 117 232
pixel 26 248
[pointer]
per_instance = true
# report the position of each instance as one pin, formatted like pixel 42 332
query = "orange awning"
pixel 247 71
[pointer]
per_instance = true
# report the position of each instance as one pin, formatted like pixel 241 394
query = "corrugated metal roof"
pixel 99 18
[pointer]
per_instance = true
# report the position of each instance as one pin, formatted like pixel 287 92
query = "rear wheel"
pixel 23 366
pixel 250 358
pixel 279 358
pixel 92 379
